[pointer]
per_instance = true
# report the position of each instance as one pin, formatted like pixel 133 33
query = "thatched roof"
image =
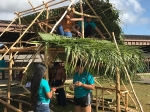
pixel 98 55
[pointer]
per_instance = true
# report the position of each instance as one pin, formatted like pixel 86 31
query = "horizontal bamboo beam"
pixel 110 89
pixel 28 49
pixel 14 68
pixel 83 14
pixel 20 49
pixel 16 100
pixel 10 106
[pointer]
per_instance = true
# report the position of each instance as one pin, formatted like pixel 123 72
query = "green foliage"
pixel 100 57
pixel 109 16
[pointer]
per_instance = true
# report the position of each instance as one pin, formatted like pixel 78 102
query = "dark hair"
pixel 78 63
pixel 35 83
pixel 56 64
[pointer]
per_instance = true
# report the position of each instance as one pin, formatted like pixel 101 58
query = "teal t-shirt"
pixel 43 89
pixel 86 24
pixel 85 78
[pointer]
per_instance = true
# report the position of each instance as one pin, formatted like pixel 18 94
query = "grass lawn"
pixel 142 91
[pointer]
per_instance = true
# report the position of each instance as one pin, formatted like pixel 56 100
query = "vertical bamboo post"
pixel 47 16
pixel 19 19
pixel 81 8
pixel 128 76
pixel 126 102
pixel 5 109
pixel 117 90
pixel 20 105
pixel 10 78
pixel 96 100
pixel 102 99
pixel 129 95
pixel 46 61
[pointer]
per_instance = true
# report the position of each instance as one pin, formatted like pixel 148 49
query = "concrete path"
pixel 145 78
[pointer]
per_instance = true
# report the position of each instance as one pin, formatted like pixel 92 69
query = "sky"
pixel 134 14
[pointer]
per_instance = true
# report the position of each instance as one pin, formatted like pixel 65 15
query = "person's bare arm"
pixel 50 94
pixel 100 33
pixel 76 30
pixel 73 19
pixel 86 86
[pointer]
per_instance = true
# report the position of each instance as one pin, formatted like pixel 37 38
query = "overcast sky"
pixel 134 14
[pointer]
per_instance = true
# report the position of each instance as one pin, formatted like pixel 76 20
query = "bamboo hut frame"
pixel 41 8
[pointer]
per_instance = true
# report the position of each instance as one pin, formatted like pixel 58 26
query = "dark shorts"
pixel 84 101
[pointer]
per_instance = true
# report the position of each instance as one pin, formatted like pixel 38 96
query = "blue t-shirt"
pixel 86 24
pixel 85 78
pixel 43 89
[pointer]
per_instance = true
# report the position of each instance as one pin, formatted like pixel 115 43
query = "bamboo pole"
pixel 10 79
pixel 10 106
pixel 16 100
pixel 8 26
pixel 37 19
pixel 22 34
pixel 102 99
pixel 43 5
pixel 96 100
pixel 98 19
pixel 20 106
pixel 47 16
pixel 25 89
pixel 130 95
pixel 62 16
pixel 41 57
pixel 83 14
pixel 14 55
pixel 35 7
pixel 19 27
pixel 128 76
pixel 19 49
pixel 126 102
pixel 81 8
pixel 46 61
pixel 121 93
pixel 30 63
pixel 101 86
pixel 13 68
pixel 117 90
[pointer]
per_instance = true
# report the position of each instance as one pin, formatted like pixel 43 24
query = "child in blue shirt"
pixel 84 84
pixel 88 26
pixel 40 90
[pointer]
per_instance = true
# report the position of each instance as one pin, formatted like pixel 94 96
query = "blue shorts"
pixel 61 31
pixel 42 107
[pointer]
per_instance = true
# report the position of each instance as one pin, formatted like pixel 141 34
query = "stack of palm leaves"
pixel 98 56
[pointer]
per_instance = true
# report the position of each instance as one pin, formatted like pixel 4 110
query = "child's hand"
pixel 53 89
pixel 79 33
pixel 78 83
